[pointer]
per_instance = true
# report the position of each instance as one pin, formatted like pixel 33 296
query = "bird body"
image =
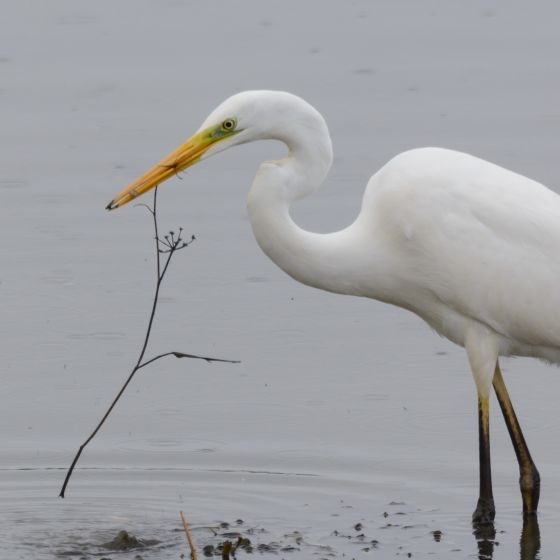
pixel 469 242
pixel 459 241
pixel 468 246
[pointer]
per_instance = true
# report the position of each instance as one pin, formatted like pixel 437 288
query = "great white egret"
pixel 470 247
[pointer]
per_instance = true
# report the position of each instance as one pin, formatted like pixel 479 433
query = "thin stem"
pixel 173 246
pixel 182 355
pixel 156 294
pixel 82 447
pixel 156 232
pixel 189 538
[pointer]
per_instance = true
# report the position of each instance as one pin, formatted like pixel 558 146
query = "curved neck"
pixel 318 260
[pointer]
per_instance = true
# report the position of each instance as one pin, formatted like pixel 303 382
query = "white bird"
pixel 468 246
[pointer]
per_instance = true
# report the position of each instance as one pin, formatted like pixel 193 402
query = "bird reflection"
pixel 485 535
pixel 529 542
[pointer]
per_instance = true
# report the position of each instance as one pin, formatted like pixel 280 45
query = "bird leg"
pixel 485 510
pixel 529 478
pixel 530 541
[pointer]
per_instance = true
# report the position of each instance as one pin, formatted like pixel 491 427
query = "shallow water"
pixel 343 411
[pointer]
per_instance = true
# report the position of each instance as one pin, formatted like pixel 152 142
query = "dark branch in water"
pixel 182 355
pixel 169 245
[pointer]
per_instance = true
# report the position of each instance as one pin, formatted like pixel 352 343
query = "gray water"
pixel 343 411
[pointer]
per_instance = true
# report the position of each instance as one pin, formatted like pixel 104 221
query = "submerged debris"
pixel 125 541
pixel 226 544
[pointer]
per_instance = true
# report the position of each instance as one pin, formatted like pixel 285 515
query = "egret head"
pixel 244 117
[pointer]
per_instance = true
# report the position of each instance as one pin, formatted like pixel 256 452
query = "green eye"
pixel 228 125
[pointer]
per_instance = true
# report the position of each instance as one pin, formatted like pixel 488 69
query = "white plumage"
pixel 470 247
pixel 475 244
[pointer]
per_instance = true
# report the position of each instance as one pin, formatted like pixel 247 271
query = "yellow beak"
pixel 184 156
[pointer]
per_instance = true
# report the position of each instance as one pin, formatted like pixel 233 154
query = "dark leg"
pixel 529 479
pixel 485 510
pixel 530 541
pixel 485 536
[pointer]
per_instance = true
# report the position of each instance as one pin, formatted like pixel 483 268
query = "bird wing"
pixel 475 239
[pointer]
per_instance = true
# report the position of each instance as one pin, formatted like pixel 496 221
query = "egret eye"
pixel 228 125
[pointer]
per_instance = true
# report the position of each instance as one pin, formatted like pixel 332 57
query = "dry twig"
pixel 189 539
pixel 169 245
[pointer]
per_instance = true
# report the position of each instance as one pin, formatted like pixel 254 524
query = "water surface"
pixel 343 411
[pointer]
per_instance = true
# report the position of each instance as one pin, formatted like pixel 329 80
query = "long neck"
pixel 318 260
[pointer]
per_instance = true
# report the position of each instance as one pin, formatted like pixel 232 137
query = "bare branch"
pixel 189 539
pixel 145 206
pixel 174 245
pixel 183 355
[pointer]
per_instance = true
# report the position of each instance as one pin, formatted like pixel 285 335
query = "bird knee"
pixel 530 480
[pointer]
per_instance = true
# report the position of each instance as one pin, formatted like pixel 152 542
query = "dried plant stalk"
pixel 169 245
pixel 189 539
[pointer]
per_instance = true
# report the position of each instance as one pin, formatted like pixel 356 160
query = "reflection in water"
pixel 529 542
pixel 485 535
